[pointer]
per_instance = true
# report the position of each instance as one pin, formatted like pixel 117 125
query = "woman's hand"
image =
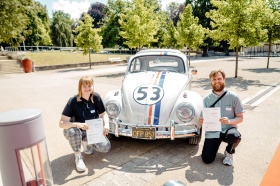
pixel 82 126
pixel 105 131
pixel 200 121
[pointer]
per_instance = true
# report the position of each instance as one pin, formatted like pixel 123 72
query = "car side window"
pixel 135 66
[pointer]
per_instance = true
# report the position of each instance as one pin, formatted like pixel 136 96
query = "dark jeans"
pixel 211 145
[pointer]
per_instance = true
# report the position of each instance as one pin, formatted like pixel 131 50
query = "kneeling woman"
pixel 84 106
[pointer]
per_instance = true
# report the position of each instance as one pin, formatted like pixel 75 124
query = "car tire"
pixel 112 137
pixel 196 140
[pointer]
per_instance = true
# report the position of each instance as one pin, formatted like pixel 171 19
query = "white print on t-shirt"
pixel 92 111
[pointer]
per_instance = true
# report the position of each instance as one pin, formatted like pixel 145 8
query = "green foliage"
pixel 189 32
pixel 237 22
pixel 39 26
pixel 274 5
pixel 169 40
pixel 87 37
pixel 111 27
pixel 139 24
pixel 200 7
pixel 271 21
pixel 13 20
pixel 156 4
pixel 61 29
pixel 163 21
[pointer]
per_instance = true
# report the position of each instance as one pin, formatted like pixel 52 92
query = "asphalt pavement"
pixel 137 162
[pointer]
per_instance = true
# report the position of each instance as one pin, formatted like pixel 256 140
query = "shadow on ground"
pixel 74 70
pixel 130 156
pixel 263 70
pixel 112 75
pixel 239 82
pixel 62 167
pixel 199 171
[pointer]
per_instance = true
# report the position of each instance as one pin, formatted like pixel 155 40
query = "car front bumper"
pixel 119 128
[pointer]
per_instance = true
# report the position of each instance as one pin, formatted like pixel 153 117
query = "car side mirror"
pixel 194 72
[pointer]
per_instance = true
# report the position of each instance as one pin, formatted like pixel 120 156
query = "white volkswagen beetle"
pixel 155 100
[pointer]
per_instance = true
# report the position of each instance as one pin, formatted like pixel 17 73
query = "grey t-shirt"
pixel 230 105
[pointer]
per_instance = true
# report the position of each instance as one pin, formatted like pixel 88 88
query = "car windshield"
pixel 157 63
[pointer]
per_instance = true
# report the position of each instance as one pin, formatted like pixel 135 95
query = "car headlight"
pixel 113 109
pixel 185 112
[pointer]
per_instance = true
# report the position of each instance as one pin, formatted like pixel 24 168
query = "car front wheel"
pixel 112 137
pixel 195 140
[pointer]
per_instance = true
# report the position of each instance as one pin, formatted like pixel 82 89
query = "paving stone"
pixel 129 165
pixel 95 182
pixel 108 176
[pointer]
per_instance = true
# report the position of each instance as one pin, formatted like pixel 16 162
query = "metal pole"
pixel 24 46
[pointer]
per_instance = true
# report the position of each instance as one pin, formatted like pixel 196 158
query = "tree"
pixel 13 21
pixel 139 25
pixel 96 12
pixel 237 22
pixel 271 22
pixel 61 29
pixel 39 26
pixel 200 7
pixel 87 37
pixel 169 40
pixel 111 27
pixel 175 9
pixel 189 33
pixel 164 28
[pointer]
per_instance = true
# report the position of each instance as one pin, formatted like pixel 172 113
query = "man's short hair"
pixel 215 72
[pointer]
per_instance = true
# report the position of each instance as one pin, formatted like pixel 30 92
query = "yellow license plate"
pixel 144 133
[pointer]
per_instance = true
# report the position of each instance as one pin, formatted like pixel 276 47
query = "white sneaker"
pixel 80 165
pixel 228 160
pixel 88 149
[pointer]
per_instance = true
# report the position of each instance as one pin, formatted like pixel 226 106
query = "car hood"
pixel 149 97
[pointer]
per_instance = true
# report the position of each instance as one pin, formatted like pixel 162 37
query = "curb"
pixel 65 66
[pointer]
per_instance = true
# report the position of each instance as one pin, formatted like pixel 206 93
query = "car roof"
pixel 159 50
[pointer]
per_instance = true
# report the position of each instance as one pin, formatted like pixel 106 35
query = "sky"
pixel 76 7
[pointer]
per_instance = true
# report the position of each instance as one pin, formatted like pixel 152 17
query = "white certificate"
pixel 211 118
pixel 95 131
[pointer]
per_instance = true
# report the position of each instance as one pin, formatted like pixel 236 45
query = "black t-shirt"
pixel 79 111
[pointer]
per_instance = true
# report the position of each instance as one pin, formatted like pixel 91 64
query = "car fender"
pixel 115 95
pixel 192 98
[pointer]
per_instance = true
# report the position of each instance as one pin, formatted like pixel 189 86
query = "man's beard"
pixel 218 88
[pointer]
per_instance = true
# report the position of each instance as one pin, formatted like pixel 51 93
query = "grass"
pixel 48 58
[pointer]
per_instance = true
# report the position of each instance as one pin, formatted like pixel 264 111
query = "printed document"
pixel 211 118
pixel 95 131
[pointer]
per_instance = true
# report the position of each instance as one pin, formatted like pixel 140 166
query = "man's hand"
pixel 225 120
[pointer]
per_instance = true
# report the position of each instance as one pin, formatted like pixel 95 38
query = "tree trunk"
pixel 205 51
pixel 188 55
pixel 225 46
pixel 269 50
pixel 226 51
pixel 89 59
pixel 236 61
